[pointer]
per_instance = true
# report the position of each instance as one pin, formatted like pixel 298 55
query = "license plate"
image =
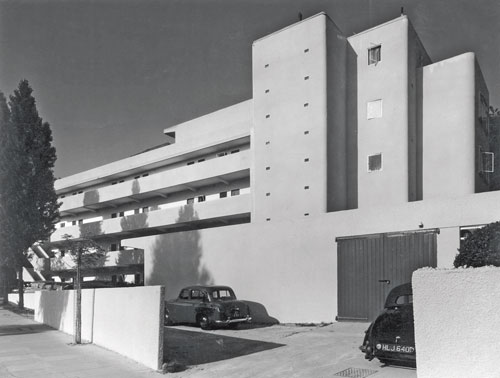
pixel 236 314
pixel 396 348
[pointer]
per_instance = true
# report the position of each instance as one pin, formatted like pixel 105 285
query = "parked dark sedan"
pixel 391 337
pixel 207 307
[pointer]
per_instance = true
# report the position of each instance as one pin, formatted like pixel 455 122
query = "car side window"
pixel 196 294
pixel 184 294
pixel 404 299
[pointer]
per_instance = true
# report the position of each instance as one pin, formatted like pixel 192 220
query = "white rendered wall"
pixel 128 321
pixel 265 262
pixel 387 81
pixel 290 122
pixel 448 127
pixel 467 302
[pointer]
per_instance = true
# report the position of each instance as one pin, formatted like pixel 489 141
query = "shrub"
pixel 480 248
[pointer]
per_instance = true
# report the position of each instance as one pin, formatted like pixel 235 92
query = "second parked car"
pixel 207 307
pixel 391 336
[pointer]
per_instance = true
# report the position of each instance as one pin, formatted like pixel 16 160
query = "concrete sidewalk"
pixel 30 349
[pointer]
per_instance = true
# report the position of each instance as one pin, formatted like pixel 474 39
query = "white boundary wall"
pixel 29 299
pixel 128 321
pixel 457 322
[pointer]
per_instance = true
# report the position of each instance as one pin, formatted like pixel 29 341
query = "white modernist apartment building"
pixel 357 161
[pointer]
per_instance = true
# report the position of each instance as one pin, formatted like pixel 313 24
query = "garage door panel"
pixel 370 266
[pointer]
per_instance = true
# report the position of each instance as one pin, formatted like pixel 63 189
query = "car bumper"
pixel 247 319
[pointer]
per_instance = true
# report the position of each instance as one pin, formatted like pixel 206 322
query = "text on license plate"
pixel 396 348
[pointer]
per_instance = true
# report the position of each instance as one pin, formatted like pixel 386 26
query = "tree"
pixel 5 191
pixel 86 253
pixel 28 201
pixel 480 248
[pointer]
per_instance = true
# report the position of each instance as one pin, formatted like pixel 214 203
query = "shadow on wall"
pixel 176 258
pixel 194 348
pixel 52 308
pixel 91 197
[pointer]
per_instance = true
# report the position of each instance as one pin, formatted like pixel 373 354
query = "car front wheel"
pixel 204 322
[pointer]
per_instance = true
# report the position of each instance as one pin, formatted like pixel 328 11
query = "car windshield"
pixel 222 294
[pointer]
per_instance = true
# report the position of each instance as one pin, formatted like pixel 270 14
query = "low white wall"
pixel 29 300
pixel 128 321
pixel 457 322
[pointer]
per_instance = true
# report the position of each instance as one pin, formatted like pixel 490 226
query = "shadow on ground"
pixel 18 329
pixel 194 348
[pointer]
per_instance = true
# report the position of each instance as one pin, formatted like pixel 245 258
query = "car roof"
pixel 206 287
pixel 395 293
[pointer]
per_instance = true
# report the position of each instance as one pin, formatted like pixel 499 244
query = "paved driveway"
pixel 276 351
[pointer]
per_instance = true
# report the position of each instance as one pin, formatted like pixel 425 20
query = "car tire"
pixel 204 322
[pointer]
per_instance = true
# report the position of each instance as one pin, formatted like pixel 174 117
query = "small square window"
pixel 267 143
pixel 235 151
pixel 73 223
pixel 137 177
pixel 306 187
pixel 306 132
pixel 375 162
pixel 190 162
pixel 121 181
pixel 80 221
pixel 235 192
pixel 267 91
pixel 190 201
pixel 113 247
pixel 306 77
pixel 221 154
pixel 136 211
pixel 122 213
pixel 268 219
pixel 268 168
pixel 374 55
pixel 267 65
pixel 201 198
pixel 63 224
pixel 222 194
pixel 145 175
pixel 306 160
pixel 306 105
pixel 145 209
pixel 306 214
pixel 268 194
pixel 374 109
pixel 114 183
pixel 201 160
pixel 268 115
pixel 306 50
pixel 113 215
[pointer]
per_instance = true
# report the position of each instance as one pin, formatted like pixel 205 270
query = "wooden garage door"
pixel 370 266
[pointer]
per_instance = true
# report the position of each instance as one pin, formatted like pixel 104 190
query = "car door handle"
pixel 385 281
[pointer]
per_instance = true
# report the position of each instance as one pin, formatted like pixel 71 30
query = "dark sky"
pixel 110 75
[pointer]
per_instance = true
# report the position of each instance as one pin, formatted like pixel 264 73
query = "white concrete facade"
pixel 254 195
pixel 468 344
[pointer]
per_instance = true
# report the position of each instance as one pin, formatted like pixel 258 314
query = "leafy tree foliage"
pixel 28 201
pixel 480 248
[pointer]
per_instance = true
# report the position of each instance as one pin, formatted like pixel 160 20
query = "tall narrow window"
pixel 374 54
pixel 374 162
